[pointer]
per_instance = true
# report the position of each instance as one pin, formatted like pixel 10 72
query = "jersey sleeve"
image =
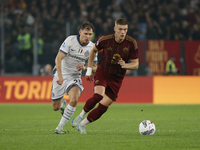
pixel 65 47
pixel 99 44
pixel 134 52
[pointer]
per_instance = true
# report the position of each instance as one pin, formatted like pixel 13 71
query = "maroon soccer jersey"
pixel 113 52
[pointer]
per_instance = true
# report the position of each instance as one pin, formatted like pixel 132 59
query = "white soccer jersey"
pixel 75 54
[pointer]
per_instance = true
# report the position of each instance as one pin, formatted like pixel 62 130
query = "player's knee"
pixel 97 97
pixel 90 104
pixel 73 102
pixel 55 108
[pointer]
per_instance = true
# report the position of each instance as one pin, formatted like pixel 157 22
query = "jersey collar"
pixel 80 42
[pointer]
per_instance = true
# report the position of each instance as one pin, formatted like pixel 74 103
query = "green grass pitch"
pixel 31 127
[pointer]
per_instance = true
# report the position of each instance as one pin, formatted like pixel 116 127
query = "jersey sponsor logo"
pixel 72 50
pixel 76 57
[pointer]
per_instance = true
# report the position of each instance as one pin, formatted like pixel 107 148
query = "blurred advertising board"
pixel 154 90
pixel 29 89
pixel 192 57
pixel 158 53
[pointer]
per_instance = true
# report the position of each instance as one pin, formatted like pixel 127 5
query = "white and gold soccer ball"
pixel 147 127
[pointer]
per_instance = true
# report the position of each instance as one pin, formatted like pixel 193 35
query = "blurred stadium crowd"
pixel 148 19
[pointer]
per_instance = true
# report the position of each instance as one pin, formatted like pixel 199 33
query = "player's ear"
pixel 114 29
pixel 79 32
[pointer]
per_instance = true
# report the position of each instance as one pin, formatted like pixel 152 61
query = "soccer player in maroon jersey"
pixel 118 49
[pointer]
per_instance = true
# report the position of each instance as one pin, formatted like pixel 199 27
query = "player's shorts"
pixel 58 91
pixel 112 83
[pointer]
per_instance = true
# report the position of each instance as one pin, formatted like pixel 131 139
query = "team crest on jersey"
pixel 125 49
pixel 116 58
pixel 87 53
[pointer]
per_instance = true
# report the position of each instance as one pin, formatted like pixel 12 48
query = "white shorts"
pixel 58 91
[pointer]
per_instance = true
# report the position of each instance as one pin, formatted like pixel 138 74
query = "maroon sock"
pixel 92 102
pixel 97 112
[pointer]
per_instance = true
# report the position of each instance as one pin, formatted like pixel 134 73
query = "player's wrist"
pixel 89 71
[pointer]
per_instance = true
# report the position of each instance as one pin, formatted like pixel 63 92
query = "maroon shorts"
pixel 112 83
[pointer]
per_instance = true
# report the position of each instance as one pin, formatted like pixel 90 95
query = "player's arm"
pixel 92 56
pixel 91 66
pixel 133 65
pixel 94 67
pixel 58 60
pixel 82 67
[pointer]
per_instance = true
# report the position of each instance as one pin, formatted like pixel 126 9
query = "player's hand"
pixel 88 74
pixel 80 67
pixel 122 63
pixel 60 80
pixel 89 78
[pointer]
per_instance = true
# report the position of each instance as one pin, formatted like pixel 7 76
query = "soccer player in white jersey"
pixel 70 61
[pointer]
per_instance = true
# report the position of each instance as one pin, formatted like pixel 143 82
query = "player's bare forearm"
pixel 81 67
pixel 91 67
pixel 133 65
pixel 92 56
pixel 94 67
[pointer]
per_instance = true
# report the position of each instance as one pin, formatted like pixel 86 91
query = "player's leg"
pixel 59 104
pixel 62 106
pixel 58 92
pixel 99 110
pixel 97 97
pixel 74 94
pixel 89 105
pixel 56 104
pixel 95 113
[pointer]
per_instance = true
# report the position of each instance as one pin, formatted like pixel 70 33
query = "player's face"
pixel 85 36
pixel 120 32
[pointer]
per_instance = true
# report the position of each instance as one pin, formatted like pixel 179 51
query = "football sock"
pixel 92 102
pixel 84 122
pixel 69 111
pixel 97 112
pixel 83 113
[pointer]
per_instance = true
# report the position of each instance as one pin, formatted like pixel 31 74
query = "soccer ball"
pixel 147 127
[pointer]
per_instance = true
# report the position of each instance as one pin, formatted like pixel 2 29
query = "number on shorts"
pixel 78 81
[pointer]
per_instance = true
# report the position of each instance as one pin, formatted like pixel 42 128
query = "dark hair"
pixel 87 25
pixel 121 21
